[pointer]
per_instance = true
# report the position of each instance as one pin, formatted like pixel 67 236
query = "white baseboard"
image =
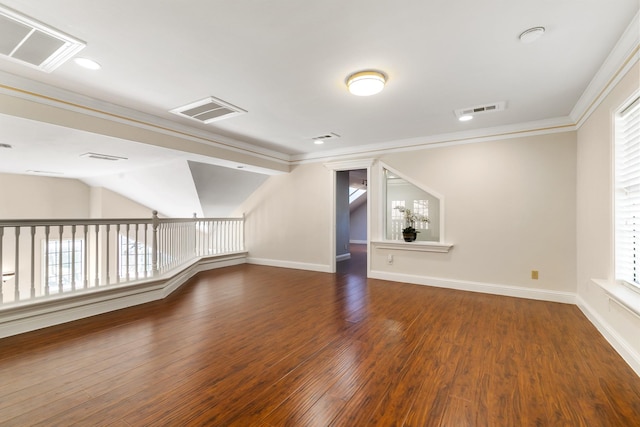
pixel 56 310
pixel 618 343
pixel 290 264
pixel 487 288
pixel 358 242
pixel 343 257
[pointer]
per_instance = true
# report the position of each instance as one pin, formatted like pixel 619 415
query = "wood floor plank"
pixel 262 346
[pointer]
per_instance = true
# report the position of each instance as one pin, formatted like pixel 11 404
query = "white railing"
pixel 46 257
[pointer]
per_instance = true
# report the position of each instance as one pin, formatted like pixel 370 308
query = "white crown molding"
pixel 622 57
pixel 27 89
pixel 541 127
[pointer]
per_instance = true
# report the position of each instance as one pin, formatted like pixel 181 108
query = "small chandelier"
pixel 366 83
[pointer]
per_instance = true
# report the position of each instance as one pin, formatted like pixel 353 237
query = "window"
pixel 133 254
pixel 63 265
pixel 355 193
pixel 421 207
pixel 397 220
pixel 627 194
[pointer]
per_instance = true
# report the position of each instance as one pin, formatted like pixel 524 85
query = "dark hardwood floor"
pixel 262 346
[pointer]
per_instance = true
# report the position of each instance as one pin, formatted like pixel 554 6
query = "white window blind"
pixel 627 194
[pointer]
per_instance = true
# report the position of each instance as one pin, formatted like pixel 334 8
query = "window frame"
pixel 50 262
pixel 631 106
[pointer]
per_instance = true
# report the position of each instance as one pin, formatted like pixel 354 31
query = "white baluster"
pixel 60 249
pixel 118 253
pixel 154 243
pixel 16 270
pixel 108 267
pixel 146 250
pixel 126 248
pixel 97 264
pixel 136 251
pixel 85 283
pixel 46 260
pixel 33 262
pixel 73 257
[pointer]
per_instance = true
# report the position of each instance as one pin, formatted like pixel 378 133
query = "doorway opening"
pixel 351 222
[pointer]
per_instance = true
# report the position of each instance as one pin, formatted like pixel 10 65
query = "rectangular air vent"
pixel 99 156
pixel 208 110
pixel 481 109
pixel 326 136
pixel 32 43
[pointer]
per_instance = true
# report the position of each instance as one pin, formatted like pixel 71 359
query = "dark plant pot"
pixel 409 236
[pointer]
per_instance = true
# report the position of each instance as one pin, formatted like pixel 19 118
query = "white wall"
pixel 29 197
pixel 358 223
pixel 40 197
pixel 108 204
pixel 288 219
pixel 595 221
pixel 509 208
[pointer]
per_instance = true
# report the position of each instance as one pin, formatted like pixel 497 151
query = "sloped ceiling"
pixel 167 188
pixel 220 190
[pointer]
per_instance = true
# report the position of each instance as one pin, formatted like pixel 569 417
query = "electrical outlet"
pixel 389 259
pixel 534 274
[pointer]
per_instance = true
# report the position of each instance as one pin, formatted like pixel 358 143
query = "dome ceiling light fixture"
pixel 366 83
pixel 531 35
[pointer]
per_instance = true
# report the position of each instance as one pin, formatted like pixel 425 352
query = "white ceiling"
pixel 286 61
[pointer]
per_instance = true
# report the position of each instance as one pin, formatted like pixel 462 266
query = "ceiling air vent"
pixel 326 137
pixel 99 156
pixel 480 109
pixel 32 43
pixel 208 110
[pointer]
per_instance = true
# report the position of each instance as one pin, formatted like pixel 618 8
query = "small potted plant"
pixel 409 232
